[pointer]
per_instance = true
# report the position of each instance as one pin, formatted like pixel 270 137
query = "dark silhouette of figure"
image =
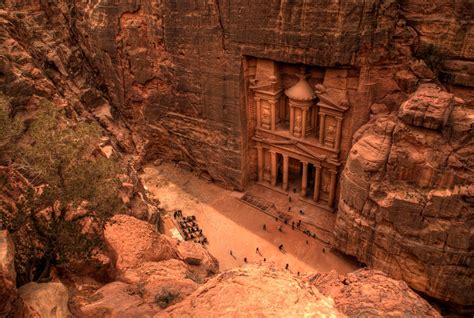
pixel 264 227
pixel 280 247
pixel 245 259
pixel 231 253
pixel 280 229
pixel 286 267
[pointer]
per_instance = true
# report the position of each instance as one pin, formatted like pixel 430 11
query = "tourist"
pixel 286 267
pixel 280 229
pixel 280 247
pixel 245 259
pixel 307 242
pixel 298 273
pixel 301 212
pixel 324 251
pixel 257 251
pixel 289 198
pixel 264 259
pixel 264 227
pixel 231 253
pixel 289 208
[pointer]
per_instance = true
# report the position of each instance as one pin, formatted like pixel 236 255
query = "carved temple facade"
pixel 298 131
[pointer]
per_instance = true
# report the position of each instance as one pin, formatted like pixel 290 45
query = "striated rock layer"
pixel 370 293
pixel 173 70
pixel 406 204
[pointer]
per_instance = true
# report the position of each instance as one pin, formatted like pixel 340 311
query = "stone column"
pixel 304 179
pixel 292 120
pixel 285 172
pixel 303 123
pixel 260 163
pixel 337 144
pixel 317 184
pixel 259 113
pixel 273 167
pixel 332 189
pixel 322 125
pixel 272 116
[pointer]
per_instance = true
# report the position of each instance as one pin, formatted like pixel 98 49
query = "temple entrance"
pixel 298 128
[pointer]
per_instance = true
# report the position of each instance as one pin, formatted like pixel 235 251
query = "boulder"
pixel 406 80
pixel 422 70
pixel 134 242
pixel 117 299
pixel 200 260
pixel 428 107
pixel 163 283
pixel 254 291
pixel 8 293
pixel 45 300
pixel 371 293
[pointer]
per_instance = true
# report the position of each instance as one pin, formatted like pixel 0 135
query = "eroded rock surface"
pixel 8 293
pixel 255 291
pixel 406 203
pixel 370 293
pixel 134 242
pixel 45 300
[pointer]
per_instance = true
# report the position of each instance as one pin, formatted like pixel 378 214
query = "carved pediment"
pixel 297 145
pixel 332 98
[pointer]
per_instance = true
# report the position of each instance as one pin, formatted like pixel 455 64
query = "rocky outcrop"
pixel 117 299
pixel 370 293
pixel 255 291
pixel 133 242
pixel 406 203
pixel 175 77
pixel 8 292
pixel 45 300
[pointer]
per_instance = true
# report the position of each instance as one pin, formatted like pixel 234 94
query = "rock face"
pixel 8 293
pixel 46 300
pixel 370 293
pixel 134 241
pixel 173 71
pixel 255 291
pixel 406 203
pixel 429 107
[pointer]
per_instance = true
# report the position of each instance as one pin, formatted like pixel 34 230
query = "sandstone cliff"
pixel 173 70
pixel 406 203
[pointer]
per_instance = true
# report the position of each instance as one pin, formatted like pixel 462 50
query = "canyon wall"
pixel 167 80
pixel 174 69
pixel 406 204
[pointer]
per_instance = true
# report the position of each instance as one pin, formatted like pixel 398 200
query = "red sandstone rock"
pixel 428 107
pixel 45 300
pixel 405 204
pixel 8 293
pixel 254 291
pixel 163 283
pixel 118 299
pixel 369 293
pixel 200 260
pixel 134 241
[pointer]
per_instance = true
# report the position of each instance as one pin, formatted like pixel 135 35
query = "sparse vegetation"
pixel 75 193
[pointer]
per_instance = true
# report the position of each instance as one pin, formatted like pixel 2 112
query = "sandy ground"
pixel 231 225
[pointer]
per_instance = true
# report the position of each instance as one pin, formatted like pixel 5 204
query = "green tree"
pixel 58 154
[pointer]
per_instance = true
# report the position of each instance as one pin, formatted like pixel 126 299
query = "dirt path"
pixel 230 224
